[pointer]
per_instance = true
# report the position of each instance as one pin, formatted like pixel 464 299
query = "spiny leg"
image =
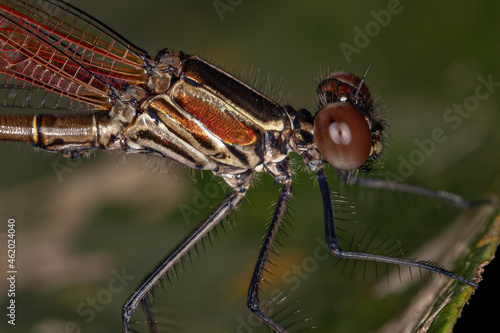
pixel 450 198
pixel 231 202
pixel 334 246
pixel 255 283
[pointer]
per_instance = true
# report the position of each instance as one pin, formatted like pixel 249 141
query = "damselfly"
pixel 175 100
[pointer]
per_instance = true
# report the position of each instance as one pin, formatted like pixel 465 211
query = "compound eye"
pixel 342 136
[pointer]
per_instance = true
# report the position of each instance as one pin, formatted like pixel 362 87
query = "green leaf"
pixel 475 235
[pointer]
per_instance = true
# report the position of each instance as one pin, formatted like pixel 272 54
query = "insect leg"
pixel 255 284
pixel 334 245
pixel 227 205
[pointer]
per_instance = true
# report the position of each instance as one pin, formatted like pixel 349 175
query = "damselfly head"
pixel 346 88
pixel 345 131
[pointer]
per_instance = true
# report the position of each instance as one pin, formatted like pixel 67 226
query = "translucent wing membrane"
pixel 55 47
pixel 16 93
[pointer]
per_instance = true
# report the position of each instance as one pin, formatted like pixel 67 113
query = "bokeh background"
pixel 110 213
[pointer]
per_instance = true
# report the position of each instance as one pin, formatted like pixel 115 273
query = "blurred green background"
pixel 109 215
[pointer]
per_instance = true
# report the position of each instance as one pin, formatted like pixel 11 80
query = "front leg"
pixel 334 245
pixel 449 198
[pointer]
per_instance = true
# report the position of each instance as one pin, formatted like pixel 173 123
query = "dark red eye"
pixel 342 136
pixel 344 87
